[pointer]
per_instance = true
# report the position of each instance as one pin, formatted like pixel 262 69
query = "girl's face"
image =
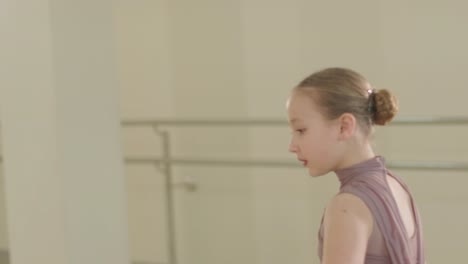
pixel 315 140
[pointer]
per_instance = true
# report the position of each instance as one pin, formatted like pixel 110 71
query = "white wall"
pixel 63 183
pixel 225 59
pixel 252 53
pixel 3 223
pixel 200 79
pixel 142 54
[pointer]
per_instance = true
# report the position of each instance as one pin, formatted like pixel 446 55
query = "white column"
pixel 65 187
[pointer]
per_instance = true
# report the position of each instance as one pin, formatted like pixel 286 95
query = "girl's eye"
pixel 300 131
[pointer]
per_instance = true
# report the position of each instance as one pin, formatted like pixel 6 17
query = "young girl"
pixel 373 218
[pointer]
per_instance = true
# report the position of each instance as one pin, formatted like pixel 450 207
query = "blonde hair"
pixel 338 90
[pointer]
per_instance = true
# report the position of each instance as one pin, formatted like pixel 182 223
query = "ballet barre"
pixel 397 165
pixel 166 161
pixel 279 122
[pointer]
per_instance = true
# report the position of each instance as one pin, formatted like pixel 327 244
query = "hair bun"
pixel 386 107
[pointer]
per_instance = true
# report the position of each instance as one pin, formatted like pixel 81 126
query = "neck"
pixel 357 155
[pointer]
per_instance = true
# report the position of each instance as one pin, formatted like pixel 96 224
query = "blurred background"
pixel 235 194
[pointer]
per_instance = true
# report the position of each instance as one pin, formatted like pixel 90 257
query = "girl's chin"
pixel 315 173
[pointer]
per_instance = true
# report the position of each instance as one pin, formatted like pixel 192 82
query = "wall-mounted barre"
pixel 399 165
pixel 167 161
pixel 279 122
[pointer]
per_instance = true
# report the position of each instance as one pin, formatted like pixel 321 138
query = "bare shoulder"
pixel 348 224
pixel 350 205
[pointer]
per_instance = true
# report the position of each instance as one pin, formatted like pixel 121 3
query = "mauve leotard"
pixel 389 242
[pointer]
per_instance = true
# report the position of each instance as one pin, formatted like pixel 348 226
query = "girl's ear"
pixel 347 125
